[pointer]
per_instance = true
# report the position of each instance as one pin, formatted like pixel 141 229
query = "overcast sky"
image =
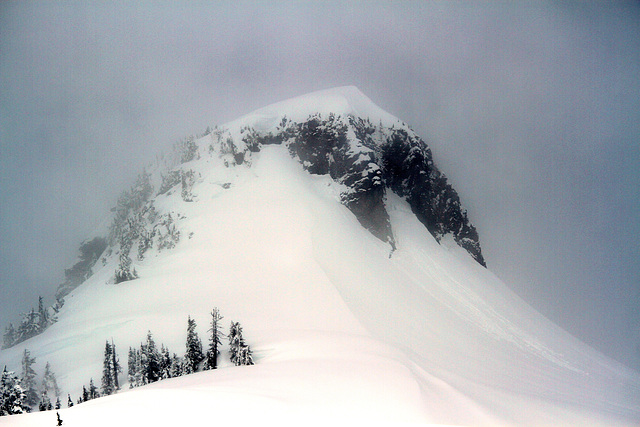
pixel 531 108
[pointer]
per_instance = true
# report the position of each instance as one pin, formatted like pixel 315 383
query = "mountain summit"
pixel 322 226
pixel 342 133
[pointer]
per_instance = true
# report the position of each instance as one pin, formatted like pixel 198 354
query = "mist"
pixel 531 109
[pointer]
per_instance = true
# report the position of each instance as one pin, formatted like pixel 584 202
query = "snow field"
pixel 342 332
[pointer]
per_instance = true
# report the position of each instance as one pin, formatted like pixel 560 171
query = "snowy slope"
pixel 342 331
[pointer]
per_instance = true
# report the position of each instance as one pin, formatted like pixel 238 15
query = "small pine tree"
pixel 12 396
pixel 240 353
pixel 29 380
pixel 123 272
pixel 131 368
pixel 245 356
pixel 9 337
pixel 193 356
pixel 93 390
pixel 140 367
pixel 108 386
pixel 151 361
pixel 58 419
pixel 165 363
pixel 235 341
pixel 58 404
pixel 49 381
pixel 69 401
pixel 43 315
pixel 176 366
pixel 215 342
pixel 45 402
pixel 115 367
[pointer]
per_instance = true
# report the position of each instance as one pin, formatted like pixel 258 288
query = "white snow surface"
pixel 342 332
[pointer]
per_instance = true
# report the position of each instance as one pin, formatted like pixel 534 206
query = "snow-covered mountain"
pixel 323 225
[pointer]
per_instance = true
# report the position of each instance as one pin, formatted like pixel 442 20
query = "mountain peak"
pixel 340 132
pixel 346 101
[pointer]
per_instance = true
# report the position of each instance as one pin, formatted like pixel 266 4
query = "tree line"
pixel 146 364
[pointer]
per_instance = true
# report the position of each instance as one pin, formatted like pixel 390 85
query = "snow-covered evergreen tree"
pixel 170 237
pixel 124 272
pixel 245 356
pixel 150 361
pixel 132 365
pixel 235 341
pixel 186 150
pixel 140 367
pixel 12 396
pixel 165 363
pixel 115 366
pixel 45 402
pixel 49 382
pixel 108 386
pixel 9 337
pixel 43 315
pixel 239 352
pixel 85 395
pixel 28 380
pixel 93 390
pixel 69 401
pixel 187 179
pixel 145 242
pixel 29 327
pixel 58 404
pixel 193 356
pixel 211 361
pixel 177 366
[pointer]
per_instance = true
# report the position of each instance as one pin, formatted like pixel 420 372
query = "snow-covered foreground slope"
pixel 343 333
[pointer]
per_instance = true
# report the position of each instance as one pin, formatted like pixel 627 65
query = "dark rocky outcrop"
pixel 369 160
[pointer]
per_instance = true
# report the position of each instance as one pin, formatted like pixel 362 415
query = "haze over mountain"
pixel 323 224
pixel 531 108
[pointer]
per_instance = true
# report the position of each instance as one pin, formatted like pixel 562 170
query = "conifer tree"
pixel 58 404
pixel 215 342
pixel 85 395
pixel 45 402
pixel 29 380
pixel 151 361
pixel 245 356
pixel 93 390
pixel 29 327
pixel 9 337
pixel 235 341
pixel 176 366
pixel 131 367
pixel 115 367
pixel 140 367
pixel 69 401
pixel 43 315
pixel 193 356
pixel 165 363
pixel 108 386
pixel 49 381
pixel 240 353
pixel 12 396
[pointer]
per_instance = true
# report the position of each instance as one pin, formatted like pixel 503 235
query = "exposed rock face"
pixel 369 159
pixel 409 171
